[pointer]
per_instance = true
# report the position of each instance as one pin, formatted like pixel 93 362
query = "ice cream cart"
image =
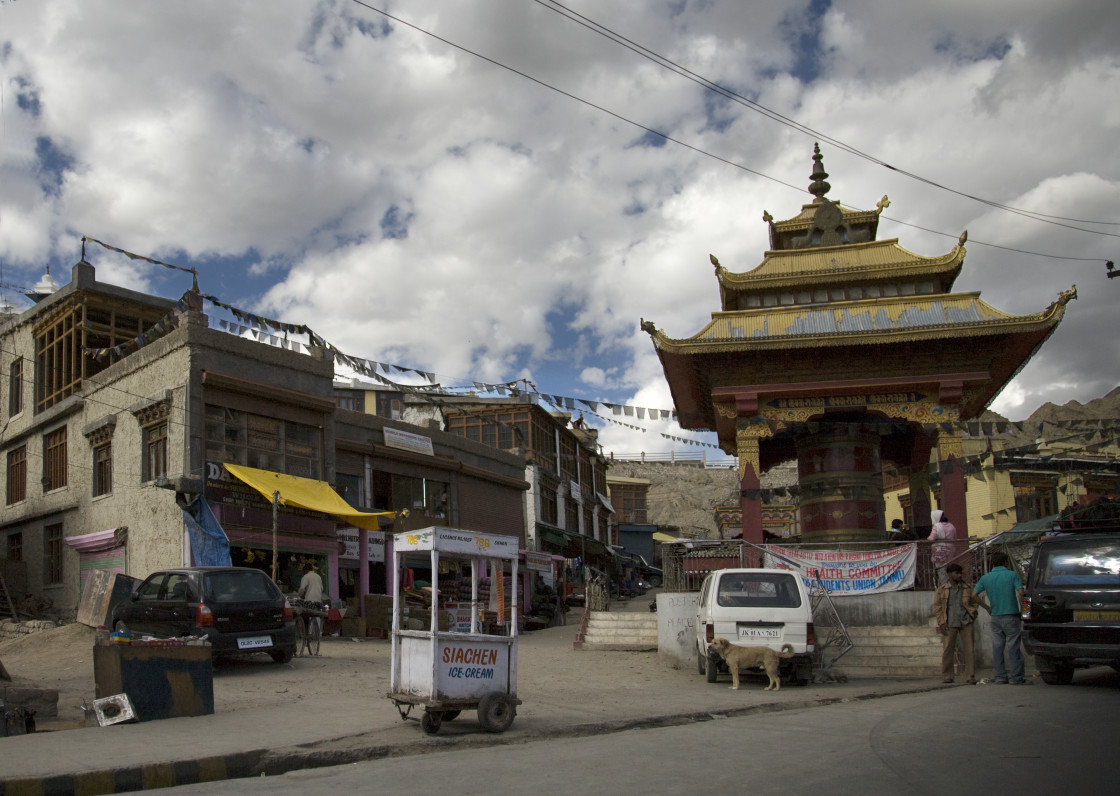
pixel 449 671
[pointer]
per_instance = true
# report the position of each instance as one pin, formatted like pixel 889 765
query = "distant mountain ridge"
pixel 1096 409
pixel 1106 408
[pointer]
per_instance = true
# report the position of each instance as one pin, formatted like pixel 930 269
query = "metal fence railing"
pixel 718 461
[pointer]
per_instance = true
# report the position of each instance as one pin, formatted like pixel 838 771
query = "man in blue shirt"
pixel 1004 589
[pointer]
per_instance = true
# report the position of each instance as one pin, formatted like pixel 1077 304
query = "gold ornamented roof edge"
pixel 1046 319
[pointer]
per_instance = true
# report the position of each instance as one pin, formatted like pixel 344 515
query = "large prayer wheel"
pixel 841 487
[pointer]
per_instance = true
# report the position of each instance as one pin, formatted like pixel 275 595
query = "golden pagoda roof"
pixel 880 260
pixel 867 322
pixel 780 230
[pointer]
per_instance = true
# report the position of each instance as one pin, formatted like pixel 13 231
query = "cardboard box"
pixel 353 627
pixel 102 591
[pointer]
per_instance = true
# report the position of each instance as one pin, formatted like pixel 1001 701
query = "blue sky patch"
pixel 53 165
pixel 394 224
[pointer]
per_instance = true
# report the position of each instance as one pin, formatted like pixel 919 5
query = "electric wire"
pixel 667 63
pixel 809 131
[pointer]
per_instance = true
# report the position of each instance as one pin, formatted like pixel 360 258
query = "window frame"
pixel 53 562
pixel 16 475
pixel 55 459
pixel 155 450
pixel 15 387
pixel 14 546
pixel 103 469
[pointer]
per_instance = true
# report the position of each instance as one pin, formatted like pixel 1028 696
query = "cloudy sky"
pixel 483 189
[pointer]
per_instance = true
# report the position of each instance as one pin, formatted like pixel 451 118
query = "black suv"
pixel 239 609
pixel 1071 611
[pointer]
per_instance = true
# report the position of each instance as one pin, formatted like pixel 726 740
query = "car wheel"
pixel 701 662
pixel 713 670
pixel 1061 675
pixel 282 656
pixel 495 712
pixel 655 582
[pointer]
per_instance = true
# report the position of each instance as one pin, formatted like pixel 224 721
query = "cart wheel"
pixel 430 721
pixel 451 715
pixel 495 712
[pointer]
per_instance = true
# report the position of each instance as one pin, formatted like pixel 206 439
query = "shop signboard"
pixel 453 540
pixel 538 562
pixel 470 668
pixel 405 441
pixel 348 539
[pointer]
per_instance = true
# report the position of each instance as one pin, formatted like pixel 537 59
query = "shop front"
pixel 280 523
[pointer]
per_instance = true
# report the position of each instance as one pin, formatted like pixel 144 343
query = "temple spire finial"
pixel 818 187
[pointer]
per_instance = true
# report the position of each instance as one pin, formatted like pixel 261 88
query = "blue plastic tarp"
pixel 209 543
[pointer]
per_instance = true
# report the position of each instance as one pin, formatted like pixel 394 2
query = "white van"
pixel 756 608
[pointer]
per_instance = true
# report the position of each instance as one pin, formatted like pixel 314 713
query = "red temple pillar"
pixel 748 437
pixel 750 503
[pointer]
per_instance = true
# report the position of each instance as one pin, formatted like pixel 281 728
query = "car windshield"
pixel 758 590
pixel 1094 564
pixel 240 587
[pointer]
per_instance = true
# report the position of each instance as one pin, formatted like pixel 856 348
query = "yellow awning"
pixel 658 536
pixel 305 493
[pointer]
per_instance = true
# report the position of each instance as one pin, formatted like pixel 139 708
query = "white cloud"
pixel 416 204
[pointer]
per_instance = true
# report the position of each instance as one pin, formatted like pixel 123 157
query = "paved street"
pixel 588 717
pixel 964 740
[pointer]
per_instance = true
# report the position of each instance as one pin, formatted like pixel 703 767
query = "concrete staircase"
pixel 886 651
pixel 620 630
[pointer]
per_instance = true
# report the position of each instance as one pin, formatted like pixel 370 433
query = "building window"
pixel 569 456
pixel 155 451
pixel 354 400
pixel 419 495
pixel 15 546
pixel 17 474
pixel 548 505
pixel 103 469
pixel 389 405
pixel 53 547
pixel 15 387
pixel 1036 495
pixel 1034 503
pixel 72 329
pixel 54 460
pixel 353 490
pixel 503 430
pixel 267 443
pixel 630 502
pixel 571 515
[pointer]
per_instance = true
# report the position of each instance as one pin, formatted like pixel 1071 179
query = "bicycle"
pixel 310 628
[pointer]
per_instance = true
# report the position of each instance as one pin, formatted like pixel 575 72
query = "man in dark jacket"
pixel 954 609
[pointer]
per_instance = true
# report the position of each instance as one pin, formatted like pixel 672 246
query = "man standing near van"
pixel 1004 588
pixel 954 607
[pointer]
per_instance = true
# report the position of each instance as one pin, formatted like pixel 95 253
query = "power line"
pixel 602 30
pixel 1056 220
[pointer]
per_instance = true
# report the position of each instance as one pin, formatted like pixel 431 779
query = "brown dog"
pixel 738 658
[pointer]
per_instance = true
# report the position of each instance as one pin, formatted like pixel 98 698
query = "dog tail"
pixel 784 654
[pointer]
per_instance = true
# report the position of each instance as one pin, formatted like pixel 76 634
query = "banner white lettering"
pixel 864 572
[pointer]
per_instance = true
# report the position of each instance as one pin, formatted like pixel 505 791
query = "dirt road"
pixel 62 659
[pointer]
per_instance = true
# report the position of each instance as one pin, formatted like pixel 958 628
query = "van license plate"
pixel 1098 616
pixel 254 642
pixel 767 633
